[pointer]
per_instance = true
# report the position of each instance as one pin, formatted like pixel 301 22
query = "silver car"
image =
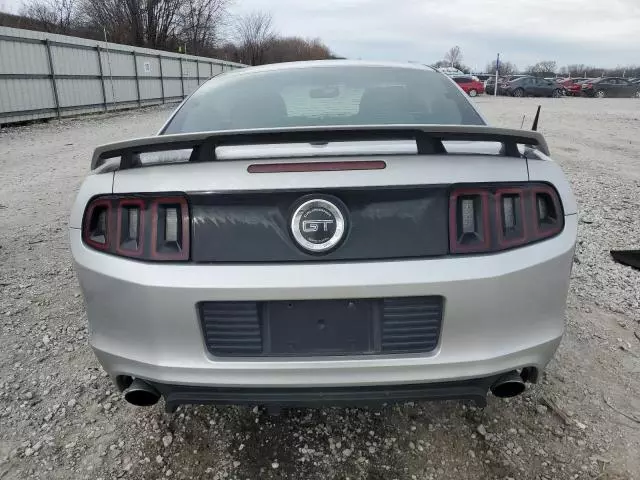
pixel 323 233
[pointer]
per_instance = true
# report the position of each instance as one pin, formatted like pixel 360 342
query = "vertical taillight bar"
pixel 170 241
pixel 130 243
pixel 546 211
pixel 462 204
pixel 516 233
pixel 97 223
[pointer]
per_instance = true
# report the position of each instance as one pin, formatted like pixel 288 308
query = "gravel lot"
pixel 60 417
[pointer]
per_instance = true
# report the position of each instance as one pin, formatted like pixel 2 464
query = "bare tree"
pixel 453 57
pixel 170 24
pixel 199 23
pixel 506 68
pixel 290 49
pixel 161 22
pixel 115 17
pixel 254 32
pixel 546 67
pixel 150 23
pixel 56 16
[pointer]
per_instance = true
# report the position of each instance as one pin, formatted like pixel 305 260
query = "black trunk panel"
pixel 384 223
pixel 322 327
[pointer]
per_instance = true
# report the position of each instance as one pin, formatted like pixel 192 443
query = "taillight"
pixel 97 224
pixel 146 227
pixel 494 218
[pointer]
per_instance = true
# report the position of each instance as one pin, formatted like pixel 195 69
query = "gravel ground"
pixel 60 417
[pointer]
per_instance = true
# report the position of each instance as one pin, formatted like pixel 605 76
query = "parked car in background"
pixel 451 71
pixel 610 87
pixel 489 86
pixel 471 87
pixel 532 87
pixel 573 86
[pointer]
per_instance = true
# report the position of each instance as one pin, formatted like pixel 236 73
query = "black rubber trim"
pixel 472 389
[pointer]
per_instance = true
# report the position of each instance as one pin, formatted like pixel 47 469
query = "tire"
pixel 473 92
pixel 518 92
pixel 637 94
pixel 600 94
pixel 557 93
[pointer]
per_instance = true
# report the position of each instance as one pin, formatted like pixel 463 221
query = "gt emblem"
pixel 309 226
pixel 318 225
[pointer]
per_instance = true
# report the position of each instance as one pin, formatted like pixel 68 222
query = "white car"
pixel 324 232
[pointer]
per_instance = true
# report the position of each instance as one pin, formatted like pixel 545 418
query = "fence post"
pixel 198 71
pixel 104 91
pixel 161 78
pixel 135 65
pixel 181 78
pixel 53 77
pixel 211 66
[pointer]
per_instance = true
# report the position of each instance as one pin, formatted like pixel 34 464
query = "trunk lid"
pixel 237 216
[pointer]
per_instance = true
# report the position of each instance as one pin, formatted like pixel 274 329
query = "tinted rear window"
pixel 323 96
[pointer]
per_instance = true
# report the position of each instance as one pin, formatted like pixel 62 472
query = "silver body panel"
pixel 502 312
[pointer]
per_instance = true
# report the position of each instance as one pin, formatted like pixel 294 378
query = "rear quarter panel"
pixel 543 169
pixel 94 184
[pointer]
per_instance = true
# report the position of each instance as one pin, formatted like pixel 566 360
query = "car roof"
pixel 327 64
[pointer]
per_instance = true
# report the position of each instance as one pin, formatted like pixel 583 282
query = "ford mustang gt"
pixel 324 233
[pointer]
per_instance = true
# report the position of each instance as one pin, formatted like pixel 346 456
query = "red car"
pixel 573 86
pixel 471 86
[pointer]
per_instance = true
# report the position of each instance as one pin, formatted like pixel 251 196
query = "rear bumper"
pixel 502 312
pixel 473 389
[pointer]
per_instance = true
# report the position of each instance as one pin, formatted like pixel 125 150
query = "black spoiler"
pixel 428 138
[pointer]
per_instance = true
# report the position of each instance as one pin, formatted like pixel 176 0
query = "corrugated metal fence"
pixel 45 75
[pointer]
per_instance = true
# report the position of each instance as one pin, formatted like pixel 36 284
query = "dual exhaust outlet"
pixel 143 394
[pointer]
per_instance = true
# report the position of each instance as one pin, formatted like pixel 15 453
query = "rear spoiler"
pixel 428 138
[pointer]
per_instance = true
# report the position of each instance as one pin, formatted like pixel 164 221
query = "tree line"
pixel 545 68
pixel 196 27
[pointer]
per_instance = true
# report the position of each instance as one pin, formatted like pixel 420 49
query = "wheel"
pixel 473 93
pixel 600 94
pixel 557 93
pixel 518 92
pixel 637 94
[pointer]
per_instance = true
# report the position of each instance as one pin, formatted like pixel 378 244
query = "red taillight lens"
pixel 96 230
pixel 494 218
pixel 130 227
pixel 170 229
pixel 469 229
pixel 547 217
pixel 146 227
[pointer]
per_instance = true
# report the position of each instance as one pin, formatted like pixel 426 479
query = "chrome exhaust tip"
pixel 141 394
pixel 509 385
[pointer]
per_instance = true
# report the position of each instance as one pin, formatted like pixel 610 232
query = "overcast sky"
pixel 601 32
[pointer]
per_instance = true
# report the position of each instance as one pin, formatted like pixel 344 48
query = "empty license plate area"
pixel 319 327
pixel 306 328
